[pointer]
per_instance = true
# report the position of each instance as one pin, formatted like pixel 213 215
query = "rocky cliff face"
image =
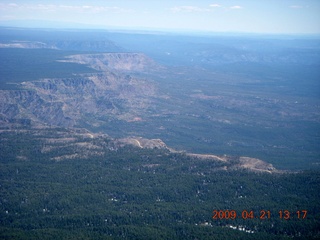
pixel 32 106
pixel 68 101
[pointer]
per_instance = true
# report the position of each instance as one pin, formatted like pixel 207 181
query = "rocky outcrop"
pixel 255 164
pixel 235 163
pixel 142 142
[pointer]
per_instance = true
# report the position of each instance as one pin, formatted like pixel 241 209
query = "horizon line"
pixel 145 30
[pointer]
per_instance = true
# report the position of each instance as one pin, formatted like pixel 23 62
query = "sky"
pixel 248 16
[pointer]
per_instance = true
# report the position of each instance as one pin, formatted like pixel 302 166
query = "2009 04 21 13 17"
pixel 262 214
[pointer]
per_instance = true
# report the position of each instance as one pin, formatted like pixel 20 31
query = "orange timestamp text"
pixel 262 214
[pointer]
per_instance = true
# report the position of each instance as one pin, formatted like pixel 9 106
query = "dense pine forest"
pixel 133 193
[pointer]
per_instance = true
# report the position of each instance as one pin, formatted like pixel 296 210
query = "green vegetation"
pixel 135 193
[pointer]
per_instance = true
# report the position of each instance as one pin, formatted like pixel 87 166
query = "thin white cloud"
pixel 50 7
pixel 189 9
pixel 80 8
pixel 236 7
pixel 215 5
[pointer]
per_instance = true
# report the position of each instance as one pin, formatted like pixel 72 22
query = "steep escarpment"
pixel 30 107
pixel 87 99
pixel 64 102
